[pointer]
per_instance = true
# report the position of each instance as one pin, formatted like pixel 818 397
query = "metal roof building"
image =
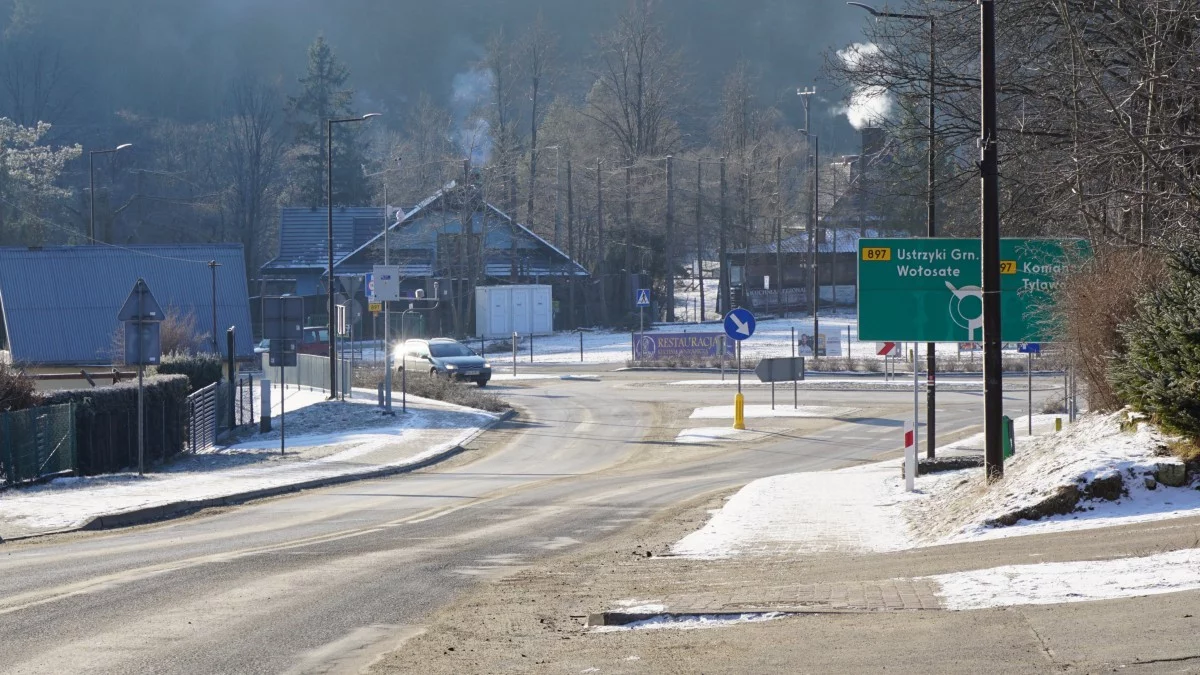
pixel 59 304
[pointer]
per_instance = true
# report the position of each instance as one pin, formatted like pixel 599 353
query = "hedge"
pixel 201 369
pixel 106 422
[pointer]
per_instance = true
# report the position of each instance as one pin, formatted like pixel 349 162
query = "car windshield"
pixel 321 335
pixel 444 349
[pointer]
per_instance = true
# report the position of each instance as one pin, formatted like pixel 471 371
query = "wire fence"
pixel 37 442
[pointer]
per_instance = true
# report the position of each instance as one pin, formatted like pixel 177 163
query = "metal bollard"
pixel 264 420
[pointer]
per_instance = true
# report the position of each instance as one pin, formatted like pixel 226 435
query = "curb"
pixel 625 618
pixel 176 509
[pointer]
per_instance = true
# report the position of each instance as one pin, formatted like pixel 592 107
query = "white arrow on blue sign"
pixel 739 324
pixel 1030 348
pixel 643 297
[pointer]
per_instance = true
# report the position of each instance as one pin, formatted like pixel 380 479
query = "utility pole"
pixel 989 169
pixel 700 234
pixel 816 219
pixel 725 300
pixel 779 233
pixel 670 241
pixel 805 94
pixel 628 286
pixel 571 242
pixel 601 267
pixel 212 266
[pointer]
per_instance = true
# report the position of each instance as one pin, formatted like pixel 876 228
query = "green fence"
pixel 37 442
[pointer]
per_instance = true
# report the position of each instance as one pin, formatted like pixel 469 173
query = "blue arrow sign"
pixel 739 324
pixel 1030 348
pixel 643 297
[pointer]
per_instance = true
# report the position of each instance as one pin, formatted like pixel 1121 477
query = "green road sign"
pixel 929 290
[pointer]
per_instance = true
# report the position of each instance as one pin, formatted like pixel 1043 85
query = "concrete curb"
pixel 180 508
pixel 625 618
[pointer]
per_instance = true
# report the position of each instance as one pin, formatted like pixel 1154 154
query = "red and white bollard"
pixel 910 456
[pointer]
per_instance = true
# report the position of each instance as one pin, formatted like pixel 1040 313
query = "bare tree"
pixel 253 153
pixel 536 56
pixel 637 86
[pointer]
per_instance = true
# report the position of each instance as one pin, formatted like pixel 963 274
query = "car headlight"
pixel 487 365
pixel 451 366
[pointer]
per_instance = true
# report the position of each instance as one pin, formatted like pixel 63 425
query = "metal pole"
pixel 916 400
pixel 581 346
pixel 387 323
pixel 795 384
pixel 931 230
pixel 514 341
pixel 282 397
pixel 531 346
pixel 1029 387
pixel 993 384
pixel 816 228
pixel 91 198
pixel 329 245
pixel 739 360
pixel 141 352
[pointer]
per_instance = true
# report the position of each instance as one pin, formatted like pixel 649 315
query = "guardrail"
pixel 310 371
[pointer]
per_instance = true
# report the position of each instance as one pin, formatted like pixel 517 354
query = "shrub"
pixel 1093 302
pixel 201 369
pixel 437 388
pixel 16 390
pixel 1158 369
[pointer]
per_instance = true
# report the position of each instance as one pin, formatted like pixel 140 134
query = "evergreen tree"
pixel 1159 371
pixel 325 95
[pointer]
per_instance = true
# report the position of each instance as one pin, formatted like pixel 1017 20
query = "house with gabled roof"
pixel 453 237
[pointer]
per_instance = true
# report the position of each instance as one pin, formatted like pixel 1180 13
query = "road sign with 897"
pixel 929 290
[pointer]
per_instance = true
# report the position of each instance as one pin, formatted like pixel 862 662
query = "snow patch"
pixel 726 411
pixel 1049 583
pixel 707 434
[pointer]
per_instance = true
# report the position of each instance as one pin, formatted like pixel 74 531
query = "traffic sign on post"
pixel 739 324
pixel 1030 348
pixel 140 305
pixel 643 297
pixel 930 290
pixel 884 348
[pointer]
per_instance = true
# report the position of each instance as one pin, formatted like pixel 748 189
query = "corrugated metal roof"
pixel 60 303
pixel 304 235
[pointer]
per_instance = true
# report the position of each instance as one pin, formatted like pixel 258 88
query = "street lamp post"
pixel 814 217
pixel 387 327
pixel 329 242
pixel 92 187
pixel 931 201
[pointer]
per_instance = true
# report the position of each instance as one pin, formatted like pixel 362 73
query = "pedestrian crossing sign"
pixel 643 297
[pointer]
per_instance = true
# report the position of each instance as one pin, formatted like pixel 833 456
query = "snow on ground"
pixel 866 508
pixel 1049 583
pixel 692 621
pixel 850 510
pixel 254 465
pixel 708 434
pixel 725 412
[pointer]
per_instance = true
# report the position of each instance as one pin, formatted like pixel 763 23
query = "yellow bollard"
pixel 739 411
pixel 1058 424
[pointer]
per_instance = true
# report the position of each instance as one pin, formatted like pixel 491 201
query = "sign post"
pixel 1029 349
pixel 383 289
pixel 643 301
pixel 739 325
pixel 283 319
pixel 142 316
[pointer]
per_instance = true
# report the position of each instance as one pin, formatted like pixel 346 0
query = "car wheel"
pixel 482 382
pixel 433 373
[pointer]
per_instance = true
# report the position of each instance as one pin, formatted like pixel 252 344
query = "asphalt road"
pixel 327 580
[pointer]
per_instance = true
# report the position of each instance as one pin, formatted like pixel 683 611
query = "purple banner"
pixel 662 346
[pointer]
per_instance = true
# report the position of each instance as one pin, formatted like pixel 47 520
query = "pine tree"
pixel 325 95
pixel 1159 371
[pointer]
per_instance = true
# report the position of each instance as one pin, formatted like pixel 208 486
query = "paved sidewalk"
pixel 337 441
pixel 892 594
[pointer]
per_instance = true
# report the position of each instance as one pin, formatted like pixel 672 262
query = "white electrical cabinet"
pixel 501 311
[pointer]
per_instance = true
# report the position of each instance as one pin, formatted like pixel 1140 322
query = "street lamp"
pixel 814 251
pixel 930 228
pixel 92 187
pixel 329 241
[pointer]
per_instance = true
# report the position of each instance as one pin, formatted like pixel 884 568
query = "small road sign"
pixel 385 283
pixel 140 305
pixel 1030 348
pixel 739 323
pixel 643 297
pixel 375 307
pixel 884 348
pixel 786 369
